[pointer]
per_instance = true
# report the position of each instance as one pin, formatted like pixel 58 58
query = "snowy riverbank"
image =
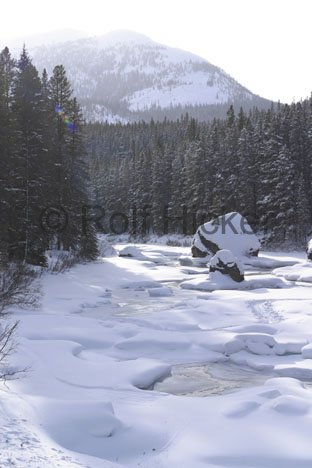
pixel 107 331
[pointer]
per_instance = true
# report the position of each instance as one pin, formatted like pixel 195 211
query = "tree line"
pixel 43 171
pixel 176 174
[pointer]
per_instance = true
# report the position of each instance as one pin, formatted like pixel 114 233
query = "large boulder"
pixel 309 249
pixel 230 231
pixel 226 263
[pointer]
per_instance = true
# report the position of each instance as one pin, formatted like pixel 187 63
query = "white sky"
pixel 263 44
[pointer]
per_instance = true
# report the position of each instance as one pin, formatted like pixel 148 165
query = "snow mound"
pixel 299 272
pixel 258 343
pixel 221 282
pixel 264 344
pixel 240 409
pixel 291 404
pixel 81 426
pixel 230 231
pixel 301 370
pixel 132 252
pixel 307 351
pixel 267 262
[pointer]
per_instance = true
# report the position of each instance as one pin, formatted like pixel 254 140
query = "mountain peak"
pixel 123 36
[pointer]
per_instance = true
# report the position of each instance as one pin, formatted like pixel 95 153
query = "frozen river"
pixel 120 349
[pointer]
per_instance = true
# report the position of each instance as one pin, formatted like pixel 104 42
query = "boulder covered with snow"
pixel 229 231
pixel 225 263
pixel 132 252
pixel 309 249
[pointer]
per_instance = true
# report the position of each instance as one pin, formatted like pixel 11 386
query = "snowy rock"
pixel 225 263
pixel 254 337
pixel 132 252
pixel 309 250
pixel 258 343
pixel 230 231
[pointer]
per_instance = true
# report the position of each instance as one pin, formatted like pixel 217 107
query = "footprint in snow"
pixel 265 311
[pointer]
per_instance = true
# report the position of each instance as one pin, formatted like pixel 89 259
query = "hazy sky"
pixel 263 44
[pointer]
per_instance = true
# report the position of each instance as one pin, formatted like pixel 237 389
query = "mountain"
pixel 126 76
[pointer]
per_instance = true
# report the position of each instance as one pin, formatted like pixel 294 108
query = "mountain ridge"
pixel 126 76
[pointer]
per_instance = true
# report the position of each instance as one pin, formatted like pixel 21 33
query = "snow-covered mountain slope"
pixel 124 75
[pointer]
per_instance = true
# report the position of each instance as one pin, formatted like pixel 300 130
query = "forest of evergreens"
pixel 258 163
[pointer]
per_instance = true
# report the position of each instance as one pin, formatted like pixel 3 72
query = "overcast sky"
pixel 263 44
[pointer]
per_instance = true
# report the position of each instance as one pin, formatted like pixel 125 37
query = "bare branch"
pixel 16 289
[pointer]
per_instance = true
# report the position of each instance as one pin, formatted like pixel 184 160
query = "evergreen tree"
pixel 68 167
pixel 7 74
pixel 27 240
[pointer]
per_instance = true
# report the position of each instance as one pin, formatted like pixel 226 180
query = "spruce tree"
pixel 28 241
pixel 69 170
pixel 7 74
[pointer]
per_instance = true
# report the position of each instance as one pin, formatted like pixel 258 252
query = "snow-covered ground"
pixel 107 332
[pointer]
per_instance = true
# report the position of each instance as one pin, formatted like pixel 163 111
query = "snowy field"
pixel 143 362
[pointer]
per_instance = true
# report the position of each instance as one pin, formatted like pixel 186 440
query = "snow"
pixel 307 351
pixel 120 353
pixel 218 281
pixel 298 272
pixel 191 90
pixel 132 251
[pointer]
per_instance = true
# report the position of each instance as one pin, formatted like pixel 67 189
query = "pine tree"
pixel 29 241
pixel 69 170
pixel 7 74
